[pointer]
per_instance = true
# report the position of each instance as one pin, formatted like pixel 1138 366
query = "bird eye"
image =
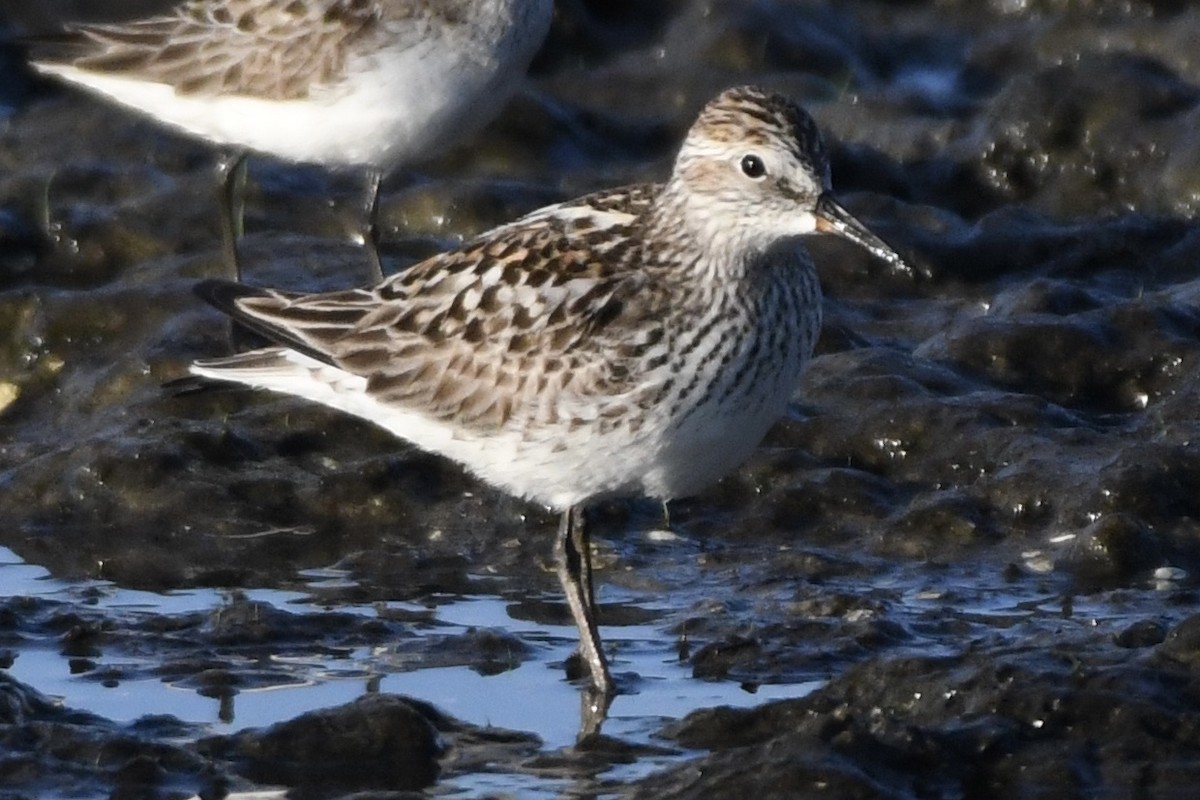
pixel 753 166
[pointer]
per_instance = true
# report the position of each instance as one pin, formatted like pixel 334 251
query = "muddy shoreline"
pixel 969 552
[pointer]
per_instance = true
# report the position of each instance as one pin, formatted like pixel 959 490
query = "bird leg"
pixel 572 559
pixel 231 171
pixel 370 231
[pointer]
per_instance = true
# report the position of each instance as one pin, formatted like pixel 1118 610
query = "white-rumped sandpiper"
pixel 637 341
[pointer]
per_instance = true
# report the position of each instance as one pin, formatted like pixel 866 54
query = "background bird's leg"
pixel 581 540
pixel 231 170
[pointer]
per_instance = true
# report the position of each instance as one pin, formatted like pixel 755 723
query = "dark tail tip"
pixel 224 294
pixel 185 385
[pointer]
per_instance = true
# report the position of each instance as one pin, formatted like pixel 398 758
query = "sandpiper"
pixel 365 83
pixel 638 341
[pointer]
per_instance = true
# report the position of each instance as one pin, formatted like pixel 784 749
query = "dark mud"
pixel 977 533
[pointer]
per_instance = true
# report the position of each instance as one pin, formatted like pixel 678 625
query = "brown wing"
pixel 277 49
pixel 548 310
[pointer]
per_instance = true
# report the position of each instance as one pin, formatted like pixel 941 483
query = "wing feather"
pixel 518 322
pixel 232 47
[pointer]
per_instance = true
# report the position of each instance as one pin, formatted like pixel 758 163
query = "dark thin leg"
pixel 370 233
pixel 231 170
pixel 573 564
pixel 581 541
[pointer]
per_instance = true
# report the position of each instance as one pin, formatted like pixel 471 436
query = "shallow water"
pixel 532 697
pixel 664 689
pixel 939 613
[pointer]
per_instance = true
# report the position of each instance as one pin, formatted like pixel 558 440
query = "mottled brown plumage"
pixel 270 49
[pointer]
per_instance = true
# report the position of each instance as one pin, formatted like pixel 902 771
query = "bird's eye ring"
pixel 753 166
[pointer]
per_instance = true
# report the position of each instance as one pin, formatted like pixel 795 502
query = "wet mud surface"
pixel 963 566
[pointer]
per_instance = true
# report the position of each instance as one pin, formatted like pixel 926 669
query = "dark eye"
pixel 753 166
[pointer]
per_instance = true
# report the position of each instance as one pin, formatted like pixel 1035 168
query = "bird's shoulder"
pixel 578 260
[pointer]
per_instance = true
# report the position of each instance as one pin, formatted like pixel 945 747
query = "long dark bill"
pixel 833 218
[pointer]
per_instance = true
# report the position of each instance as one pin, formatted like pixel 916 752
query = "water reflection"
pixel 241 691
